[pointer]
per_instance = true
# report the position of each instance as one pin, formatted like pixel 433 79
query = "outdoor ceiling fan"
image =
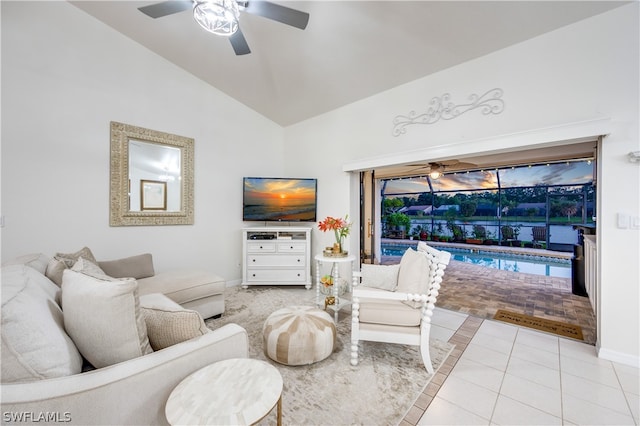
pixel 437 169
pixel 221 17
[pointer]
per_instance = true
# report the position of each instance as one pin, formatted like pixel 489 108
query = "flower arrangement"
pixel 339 226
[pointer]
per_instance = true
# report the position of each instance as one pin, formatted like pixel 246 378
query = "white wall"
pixel 582 72
pixel 65 76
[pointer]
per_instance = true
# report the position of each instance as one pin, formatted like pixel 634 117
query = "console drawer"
pixel 261 247
pixel 289 247
pixel 275 261
pixel 277 275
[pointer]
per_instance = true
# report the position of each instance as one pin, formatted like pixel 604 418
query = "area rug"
pixel 379 391
pixel 556 327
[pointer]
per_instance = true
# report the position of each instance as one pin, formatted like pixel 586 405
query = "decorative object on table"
pixel 341 229
pixel 326 288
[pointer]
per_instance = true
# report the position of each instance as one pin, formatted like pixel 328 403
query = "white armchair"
pixel 398 312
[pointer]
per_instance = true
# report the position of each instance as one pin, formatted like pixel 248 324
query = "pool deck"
pixel 480 291
pixel 486 248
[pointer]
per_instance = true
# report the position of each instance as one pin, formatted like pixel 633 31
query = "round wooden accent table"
pixel 238 391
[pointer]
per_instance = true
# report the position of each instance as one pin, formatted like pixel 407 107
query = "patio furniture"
pixel 479 232
pixel 539 236
pixel 507 232
pixel 401 315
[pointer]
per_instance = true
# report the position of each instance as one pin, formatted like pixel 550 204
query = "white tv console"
pixel 279 255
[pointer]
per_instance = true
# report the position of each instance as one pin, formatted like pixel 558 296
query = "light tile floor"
pixel 500 374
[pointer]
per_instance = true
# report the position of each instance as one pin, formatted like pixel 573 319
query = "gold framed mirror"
pixel 151 177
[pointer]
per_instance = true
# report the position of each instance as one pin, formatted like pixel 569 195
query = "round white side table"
pixel 238 391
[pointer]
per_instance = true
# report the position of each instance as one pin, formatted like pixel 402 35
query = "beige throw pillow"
pixel 414 276
pixel 87 267
pixel 103 318
pixel 140 266
pixel 384 277
pixel 169 323
pixel 62 261
pixel 168 326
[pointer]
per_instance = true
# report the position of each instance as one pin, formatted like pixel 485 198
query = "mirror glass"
pixel 151 177
pixel 154 174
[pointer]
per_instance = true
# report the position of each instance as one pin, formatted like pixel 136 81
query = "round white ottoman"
pixel 298 335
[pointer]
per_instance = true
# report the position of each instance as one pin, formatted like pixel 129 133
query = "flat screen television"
pixel 279 199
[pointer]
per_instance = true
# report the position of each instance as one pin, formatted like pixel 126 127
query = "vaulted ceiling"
pixel 350 50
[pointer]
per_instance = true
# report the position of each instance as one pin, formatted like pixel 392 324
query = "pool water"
pixel 528 264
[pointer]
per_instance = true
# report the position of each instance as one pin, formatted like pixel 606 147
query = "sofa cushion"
pixel 140 266
pixel 183 286
pixel 414 275
pixel 103 318
pixel 384 277
pixel 37 261
pixel 35 345
pixel 62 261
pixel 169 323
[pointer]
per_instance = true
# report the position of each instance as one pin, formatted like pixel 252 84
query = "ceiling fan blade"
pixel 165 8
pixel 273 11
pixel 464 165
pixel 239 43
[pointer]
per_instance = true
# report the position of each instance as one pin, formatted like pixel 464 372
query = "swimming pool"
pixel 528 264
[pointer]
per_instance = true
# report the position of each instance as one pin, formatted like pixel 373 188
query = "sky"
pixel 570 173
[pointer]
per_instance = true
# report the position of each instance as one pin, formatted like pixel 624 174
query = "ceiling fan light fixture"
pixel 217 16
pixel 436 171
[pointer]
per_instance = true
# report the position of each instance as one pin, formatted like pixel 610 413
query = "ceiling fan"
pixel 437 169
pixel 221 16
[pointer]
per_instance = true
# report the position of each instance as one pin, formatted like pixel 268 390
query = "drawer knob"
pixel 253 260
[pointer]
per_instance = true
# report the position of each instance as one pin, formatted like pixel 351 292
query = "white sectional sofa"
pixel 67 355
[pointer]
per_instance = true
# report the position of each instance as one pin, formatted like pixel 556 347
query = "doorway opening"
pixel 541 204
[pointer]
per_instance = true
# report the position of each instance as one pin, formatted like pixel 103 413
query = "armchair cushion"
pixel 414 275
pixel 384 277
pixel 389 312
pixel 169 323
pixel 103 318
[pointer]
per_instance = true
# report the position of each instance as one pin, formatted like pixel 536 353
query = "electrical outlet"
pixel 635 222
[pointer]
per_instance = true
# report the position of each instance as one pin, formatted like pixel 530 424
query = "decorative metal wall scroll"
pixel 442 108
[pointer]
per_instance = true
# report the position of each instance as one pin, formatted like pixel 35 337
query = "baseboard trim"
pixel 619 357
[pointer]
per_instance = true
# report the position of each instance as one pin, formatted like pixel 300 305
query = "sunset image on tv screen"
pixel 279 199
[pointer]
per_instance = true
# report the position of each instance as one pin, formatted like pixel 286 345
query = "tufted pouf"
pixel 298 335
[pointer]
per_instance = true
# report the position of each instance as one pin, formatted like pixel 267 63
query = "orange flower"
pixel 338 225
